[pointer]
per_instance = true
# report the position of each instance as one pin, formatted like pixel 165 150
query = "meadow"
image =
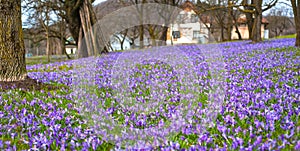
pixel 260 108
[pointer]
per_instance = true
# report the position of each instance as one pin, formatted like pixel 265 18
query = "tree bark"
pixel 141 36
pixel 236 26
pixel 296 11
pixel 12 49
pixel 256 31
pixel 238 32
pixel 86 23
pixel 229 20
pixel 62 40
pixel 46 27
pixel 297 44
pixel 250 23
pixel 163 38
pixel 249 16
pixel 48 52
pixel 82 51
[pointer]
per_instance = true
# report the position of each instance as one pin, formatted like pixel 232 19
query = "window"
pixel 196 34
pixel 194 18
pixel 181 18
pixel 176 34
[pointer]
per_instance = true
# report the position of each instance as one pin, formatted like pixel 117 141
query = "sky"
pixel 98 1
pixel 24 18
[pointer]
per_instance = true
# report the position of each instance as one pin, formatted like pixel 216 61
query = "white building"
pixel 188 28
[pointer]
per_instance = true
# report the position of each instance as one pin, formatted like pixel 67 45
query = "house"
pixel 71 46
pixel 188 28
pixel 243 28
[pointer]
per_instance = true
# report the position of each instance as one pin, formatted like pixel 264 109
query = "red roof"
pixel 243 20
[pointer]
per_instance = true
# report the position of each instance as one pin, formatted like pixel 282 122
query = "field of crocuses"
pixel 260 108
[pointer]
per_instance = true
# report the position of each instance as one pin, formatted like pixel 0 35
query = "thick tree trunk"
pixel 86 23
pixel 249 16
pixel 163 38
pixel 12 49
pixel 297 21
pixel 80 18
pixel 229 20
pixel 250 23
pixel 152 35
pixel 256 31
pixel 81 45
pixel 296 10
pixel 141 36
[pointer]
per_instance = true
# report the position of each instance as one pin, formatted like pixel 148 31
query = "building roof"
pixel 189 6
pixel 243 20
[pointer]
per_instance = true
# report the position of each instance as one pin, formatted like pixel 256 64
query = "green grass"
pixel 184 140
pixel 44 60
pixel 286 36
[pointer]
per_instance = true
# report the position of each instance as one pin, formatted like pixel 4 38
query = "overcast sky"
pixel 95 3
pixel 98 1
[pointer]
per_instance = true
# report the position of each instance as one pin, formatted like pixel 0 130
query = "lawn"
pixel 43 59
pixel 286 36
pixel 125 100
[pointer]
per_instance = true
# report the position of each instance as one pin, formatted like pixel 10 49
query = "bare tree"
pixel 12 50
pixel 167 14
pixel 43 19
pixel 279 22
pixel 121 36
pixel 253 10
pixel 80 17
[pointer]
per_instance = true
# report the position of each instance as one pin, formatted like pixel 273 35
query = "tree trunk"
pixel 296 10
pixel 12 49
pixel 63 48
pixel 297 21
pixel 229 20
pixel 256 31
pixel 249 16
pixel 250 23
pixel 163 38
pixel 236 26
pixel 46 27
pixel 80 18
pixel 222 32
pixel 62 40
pixel 48 52
pixel 132 44
pixel 124 38
pixel 152 35
pixel 141 36
pixel 105 50
pixel 87 28
pixel 238 32
pixel 81 45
